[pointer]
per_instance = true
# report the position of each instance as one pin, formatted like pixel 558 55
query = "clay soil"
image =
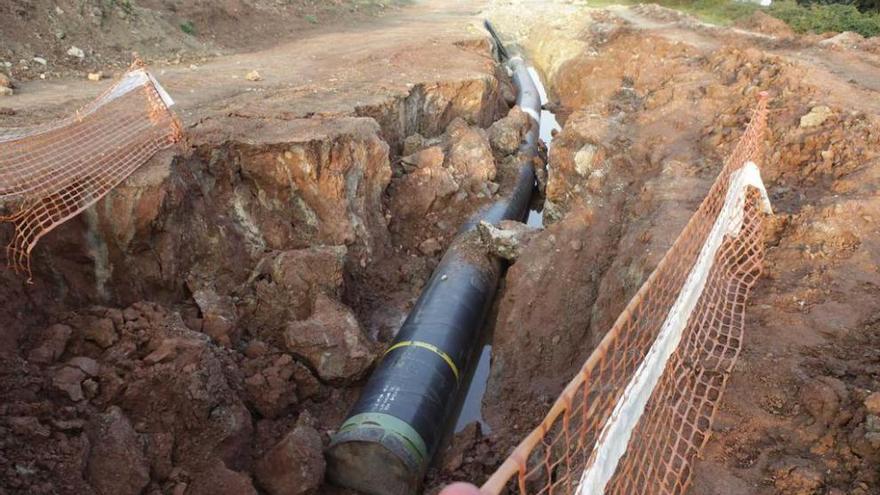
pixel 211 320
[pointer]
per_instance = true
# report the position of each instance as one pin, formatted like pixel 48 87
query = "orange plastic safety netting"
pixel 639 411
pixel 52 172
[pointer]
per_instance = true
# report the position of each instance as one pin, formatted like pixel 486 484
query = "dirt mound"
pixel 843 41
pixel 760 22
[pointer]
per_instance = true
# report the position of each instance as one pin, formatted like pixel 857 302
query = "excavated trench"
pixel 652 103
pixel 280 255
pixel 470 410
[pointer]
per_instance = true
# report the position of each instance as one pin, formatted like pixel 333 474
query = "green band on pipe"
pixel 391 425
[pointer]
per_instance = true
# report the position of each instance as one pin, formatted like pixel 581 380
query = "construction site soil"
pixel 207 324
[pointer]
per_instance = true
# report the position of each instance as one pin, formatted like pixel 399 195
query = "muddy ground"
pixel 211 320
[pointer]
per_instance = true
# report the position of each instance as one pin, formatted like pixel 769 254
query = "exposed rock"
pixel 166 351
pixel 794 477
pixel 508 93
pixel 90 388
pixel 760 22
pixel 76 52
pixel 585 159
pixel 169 348
pixel 430 246
pixel 186 393
pixel 69 379
pixel 872 423
pixel 460 161
pixel 69 424
pixel 220 480
pixel 332 341
pixel 54 341
pixel 469 155
pixel 273 389
pixel 816 117
pixel 506 134
pixel 87 365
pixel 872 403
pixel 297 183
pixel 430 157
pixel 505 241
pixel 289 285
pixel 307 385
pixel 412 143
pixel 5 81
pixel 40 60
pixel 462 443
pixel 295 465
pixel 253 76
pixel 218 314
pixel 581 167
pixel 116 464
pixel 101 331
pixel 872 434
pixel 4 91
pixel 427 188
pixel 325 189
pixel 255 349
pixel 159 448
pixel 28 426
pixel 95 76
pixel 846 40
pixel 820 400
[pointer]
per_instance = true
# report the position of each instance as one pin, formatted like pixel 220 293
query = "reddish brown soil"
pixel 306 210
pixel 653 105
pixel 279 248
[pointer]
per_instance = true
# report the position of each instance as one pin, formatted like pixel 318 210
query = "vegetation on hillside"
pixel 807 16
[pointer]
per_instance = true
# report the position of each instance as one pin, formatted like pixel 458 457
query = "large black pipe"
pixel 397 424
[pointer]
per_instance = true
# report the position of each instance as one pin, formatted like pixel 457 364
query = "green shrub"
pixel 124 5
pixel 863 5
pixel 821 18
pixel 188 27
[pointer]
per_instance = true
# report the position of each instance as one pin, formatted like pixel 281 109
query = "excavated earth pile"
pixel 208 324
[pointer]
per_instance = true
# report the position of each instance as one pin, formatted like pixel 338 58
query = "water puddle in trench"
pixel 549 125
pixel 471 409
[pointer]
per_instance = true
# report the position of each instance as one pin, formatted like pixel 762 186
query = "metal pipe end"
pixel 377 454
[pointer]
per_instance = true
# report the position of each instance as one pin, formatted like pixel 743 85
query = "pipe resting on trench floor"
pixel 406 407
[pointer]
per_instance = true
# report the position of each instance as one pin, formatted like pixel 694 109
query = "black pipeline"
pixel 397 424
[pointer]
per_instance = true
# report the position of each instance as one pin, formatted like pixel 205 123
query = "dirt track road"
pixel 327 73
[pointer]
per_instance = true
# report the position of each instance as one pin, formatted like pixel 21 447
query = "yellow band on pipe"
pixel 431 347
